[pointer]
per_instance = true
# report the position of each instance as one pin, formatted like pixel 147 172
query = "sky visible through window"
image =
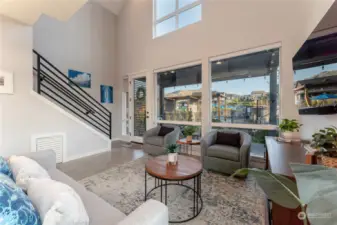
pixel 179 16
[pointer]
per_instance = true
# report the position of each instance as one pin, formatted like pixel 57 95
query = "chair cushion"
pixel 155 140
pixel 231 139
pixel 224 152
pixel 165 130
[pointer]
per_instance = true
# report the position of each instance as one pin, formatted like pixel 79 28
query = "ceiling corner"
pixel 114 6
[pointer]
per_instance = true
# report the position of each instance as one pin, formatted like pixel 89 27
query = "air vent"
pixel 53 142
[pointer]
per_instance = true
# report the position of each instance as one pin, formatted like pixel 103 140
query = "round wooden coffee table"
pixel 188 145
pixel 187 168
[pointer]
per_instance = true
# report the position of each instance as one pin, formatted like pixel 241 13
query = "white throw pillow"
pixel 57 203
pixel 24 168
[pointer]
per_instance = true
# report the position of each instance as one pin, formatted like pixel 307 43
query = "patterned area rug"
pixel 227 201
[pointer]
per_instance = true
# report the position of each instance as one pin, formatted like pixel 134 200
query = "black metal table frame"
pixel 163 183
pixel 186 147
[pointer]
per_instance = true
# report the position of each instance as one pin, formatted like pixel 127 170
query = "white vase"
pixel 289 135
pixel 172 158
pixel 189 138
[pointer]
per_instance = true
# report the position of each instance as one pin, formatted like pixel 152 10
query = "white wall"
pixel 227 26
pixel 24 115
pixel 86 43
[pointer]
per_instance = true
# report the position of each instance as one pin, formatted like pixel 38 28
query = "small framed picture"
pixel 6 82
pixel 82 79
pixel 106 94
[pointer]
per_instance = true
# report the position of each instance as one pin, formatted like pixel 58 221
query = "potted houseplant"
pixel 172 153
pixel 188 132
pixel 314 191
pixel 325 144
pixel 289 127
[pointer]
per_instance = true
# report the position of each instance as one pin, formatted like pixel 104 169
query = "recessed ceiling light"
pixel 218 62
pixel 173 71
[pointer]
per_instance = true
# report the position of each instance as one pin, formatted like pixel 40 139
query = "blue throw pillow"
pixel 4 168
pixel 15 206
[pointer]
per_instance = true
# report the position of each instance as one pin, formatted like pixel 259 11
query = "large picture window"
pixel 169 15
pixel 245 89
pixel 179 95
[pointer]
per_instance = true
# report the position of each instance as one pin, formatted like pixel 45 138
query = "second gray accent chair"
pixel 224 158
pixel 154 144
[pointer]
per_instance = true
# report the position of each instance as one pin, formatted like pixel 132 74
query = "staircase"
pixel 54 85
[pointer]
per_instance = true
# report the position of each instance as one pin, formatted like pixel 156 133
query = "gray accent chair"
pixel 223 158
pixel 154 144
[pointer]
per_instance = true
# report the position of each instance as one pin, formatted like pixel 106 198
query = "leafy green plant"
pixel 325 138
pixel 314 190
pixel 325 141
pixel 172 148
pixel 289 125
pixel 190 130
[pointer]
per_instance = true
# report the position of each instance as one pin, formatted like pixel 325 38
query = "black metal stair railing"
pixel 56 86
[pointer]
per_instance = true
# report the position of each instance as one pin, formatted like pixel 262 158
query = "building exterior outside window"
pixel 179 95
pixel 245 89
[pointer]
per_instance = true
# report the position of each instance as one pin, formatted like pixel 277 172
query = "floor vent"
pixel 55 142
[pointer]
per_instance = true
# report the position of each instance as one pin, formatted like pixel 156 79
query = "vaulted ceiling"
pixel 28 12
pixel 114 6
pixel 329 21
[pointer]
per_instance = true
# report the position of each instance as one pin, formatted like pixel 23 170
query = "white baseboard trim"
pixel 69 115
pixel 79 156
pixel 125 138
pixel 115 139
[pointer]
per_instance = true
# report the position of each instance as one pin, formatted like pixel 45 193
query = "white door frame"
pixel 125 113
pixel 132 77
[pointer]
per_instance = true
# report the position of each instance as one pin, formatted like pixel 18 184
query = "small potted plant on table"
pixel 325 144
pixel 188 132
pixel 172 153
pixel 288 128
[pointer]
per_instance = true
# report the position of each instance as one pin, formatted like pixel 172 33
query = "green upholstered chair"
pixel 224 158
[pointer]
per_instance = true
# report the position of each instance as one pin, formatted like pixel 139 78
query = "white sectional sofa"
pixel 100 212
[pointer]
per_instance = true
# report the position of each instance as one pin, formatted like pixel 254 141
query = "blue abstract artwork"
pixel 106 94
pixel 82 79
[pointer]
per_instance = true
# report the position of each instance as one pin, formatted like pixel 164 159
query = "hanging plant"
pixel 141 93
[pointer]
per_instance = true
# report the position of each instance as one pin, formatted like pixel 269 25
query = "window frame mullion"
pixel 175 13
